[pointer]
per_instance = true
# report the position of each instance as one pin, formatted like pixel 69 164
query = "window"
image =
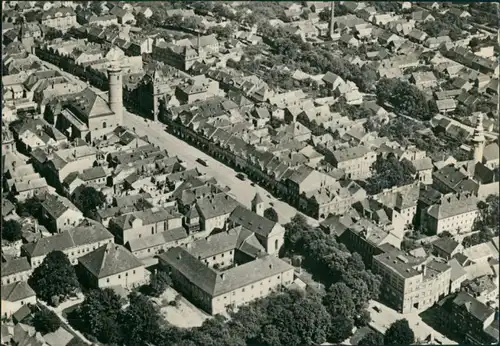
pixel 243 289
pixel 214 257
pixel 119 276
pixel 126 274
pixel 133 272
pixel 107 280
pixel 222 255
pixel 104 125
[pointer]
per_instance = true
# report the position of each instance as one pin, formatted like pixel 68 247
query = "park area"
pixel 182 313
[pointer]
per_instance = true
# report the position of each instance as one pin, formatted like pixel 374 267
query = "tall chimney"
pixel 332 17
pixel 115 95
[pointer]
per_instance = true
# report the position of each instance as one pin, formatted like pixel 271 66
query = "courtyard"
pixel 183 314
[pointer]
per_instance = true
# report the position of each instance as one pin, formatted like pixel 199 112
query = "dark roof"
pixel 215 283
pixel 250 220
pixel 14 266
pixel 88 232
pixel 17 291
pixel 477 309
pixel 109 259
pixel 446 244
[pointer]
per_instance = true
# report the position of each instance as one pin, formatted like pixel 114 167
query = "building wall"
pixel 359 168
pixel 209 225
pixel 16 277
pixel 142 231
pixel 72 253
pixel 128 279
pixel 223 259
pixel 61 23
pixel 463 221
pixel 77 166
pixel 250 292
pixel 9 308
pixel 68 220
pixel 103 125
pixel 412 294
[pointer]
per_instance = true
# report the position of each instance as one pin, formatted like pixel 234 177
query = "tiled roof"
pixel 215 283
pixel 88 232
pixel 14 266
pixel 57 205
pixel 252 221
pixel 109 259
pixel 446 244
pixel 477 309
pixel 17 291
pixel 217 205
pixel 223 242
pixel 158 239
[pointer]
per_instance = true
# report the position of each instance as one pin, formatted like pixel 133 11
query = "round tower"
pixel 478 140
pixel 115 95
pixel 258 205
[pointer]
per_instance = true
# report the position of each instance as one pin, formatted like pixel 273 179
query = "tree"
pixel 55 277
pixel 371 339
pixel 97 315
pixel 89 199
pixel 11 230
pixel 271 214
pixel 406 98
pixel 294 319
pixel 338 300
pixel 30 207
pixel 340 329
pixel 159 283
pixel 399 333
pixel 140 321
pixel 389 172
pixel 46 321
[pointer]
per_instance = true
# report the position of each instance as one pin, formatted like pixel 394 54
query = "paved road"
pixel 243 191
pixel 383 319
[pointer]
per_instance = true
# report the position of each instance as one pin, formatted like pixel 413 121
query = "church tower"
pixel 478 140
pixel 258 205
pixel 332 18
pixel 115 95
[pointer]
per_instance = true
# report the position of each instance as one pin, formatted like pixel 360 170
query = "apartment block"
pixel 411 284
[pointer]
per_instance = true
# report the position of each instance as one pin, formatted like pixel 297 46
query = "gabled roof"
pixel 217 284
pixel 88 232
pixel 17 291
pixel 252 221
pixel 15 266
pixel 109 259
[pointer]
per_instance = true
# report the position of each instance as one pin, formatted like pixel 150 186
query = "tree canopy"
pixel 487 222
pixel 387 173
pixel 55 279
pixel 406 98
pixel 371 339
pixel 89 199
pixel 271 214
pixel 399 333
pixel 97 315
pixel 158 283
pixel 11 230
pixel 46 321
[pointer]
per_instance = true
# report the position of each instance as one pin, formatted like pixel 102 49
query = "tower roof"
pixel 257 199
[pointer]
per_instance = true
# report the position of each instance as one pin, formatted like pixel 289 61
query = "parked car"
pixel 202 162
pixel 241 176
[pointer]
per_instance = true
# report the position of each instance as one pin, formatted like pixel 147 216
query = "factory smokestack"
pixel 332 18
